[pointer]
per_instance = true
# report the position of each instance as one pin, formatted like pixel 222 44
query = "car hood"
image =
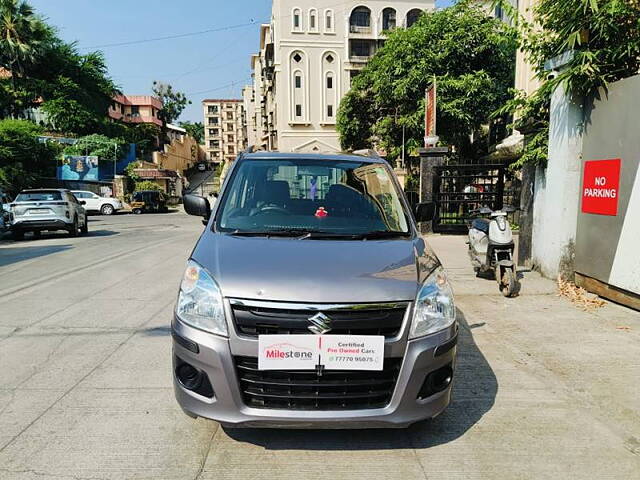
pixel 315 271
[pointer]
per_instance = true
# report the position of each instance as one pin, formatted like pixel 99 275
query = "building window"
pixel 328 21
pixel 298 110
pixel 213 109
pixel 229 115
pixel 360 48
pixel 360 20
pixel 297 20
pixel 297 58
pixel 213 120
pixel 329 82
pixel 135 110
pixel 230 138
pixel 313 20
pixel 298 81
pixel 413 16
pixel 388 19
pixel 330 111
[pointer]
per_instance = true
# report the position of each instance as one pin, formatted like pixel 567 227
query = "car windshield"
pixel 39 196
pixel 322 196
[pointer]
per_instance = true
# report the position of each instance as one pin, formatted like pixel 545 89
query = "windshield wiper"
pixel 287 232
pixel 381 234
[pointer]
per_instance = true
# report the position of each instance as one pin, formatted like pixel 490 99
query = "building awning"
pixel 159 174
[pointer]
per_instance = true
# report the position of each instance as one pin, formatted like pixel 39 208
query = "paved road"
pixel 543 390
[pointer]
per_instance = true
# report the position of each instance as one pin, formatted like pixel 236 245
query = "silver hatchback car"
pixel 311 300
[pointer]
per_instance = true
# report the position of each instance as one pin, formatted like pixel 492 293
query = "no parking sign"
pixel 600 187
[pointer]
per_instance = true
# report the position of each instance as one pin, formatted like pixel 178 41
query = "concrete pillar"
pixel 557 189
pixel 429 158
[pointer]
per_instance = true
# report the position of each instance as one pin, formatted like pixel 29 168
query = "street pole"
pixel 403 164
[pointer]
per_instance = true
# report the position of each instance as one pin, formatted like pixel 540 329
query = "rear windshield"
pixel 331 196
pixel 44 196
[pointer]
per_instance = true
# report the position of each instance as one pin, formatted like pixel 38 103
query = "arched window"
pixel 313 20
pixel 388 19
pixel 413 16
pixel 298 89
pixel 329 26
pixel 360 20
pixel 331 86
pixel 296 20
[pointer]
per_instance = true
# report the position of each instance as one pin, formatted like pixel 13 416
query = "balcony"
pixel 360 58
pixel 360 29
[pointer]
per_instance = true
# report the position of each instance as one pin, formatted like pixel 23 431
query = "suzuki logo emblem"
pixel 320 324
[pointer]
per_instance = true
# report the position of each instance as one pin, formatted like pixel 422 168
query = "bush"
pixel 147 185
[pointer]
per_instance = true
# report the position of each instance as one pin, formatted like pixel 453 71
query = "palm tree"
pixel 22 36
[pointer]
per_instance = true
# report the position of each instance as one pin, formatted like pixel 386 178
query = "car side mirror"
pixel 425 212
pixel 82 202
pixel 197 206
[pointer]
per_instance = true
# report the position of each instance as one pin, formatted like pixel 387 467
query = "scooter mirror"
pixel 425 212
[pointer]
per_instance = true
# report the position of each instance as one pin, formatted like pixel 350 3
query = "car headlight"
pixel 200 301
pixel 434 310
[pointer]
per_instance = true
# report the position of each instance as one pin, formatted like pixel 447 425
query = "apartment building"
pixel 308 55
pixel 135 109
pixel 224 129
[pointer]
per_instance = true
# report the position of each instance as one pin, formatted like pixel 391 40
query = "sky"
pixel 210 64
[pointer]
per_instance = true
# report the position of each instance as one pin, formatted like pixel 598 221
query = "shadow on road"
pixel 12 255
pixel 474 392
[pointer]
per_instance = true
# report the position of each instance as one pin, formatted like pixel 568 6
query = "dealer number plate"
pixel 318 352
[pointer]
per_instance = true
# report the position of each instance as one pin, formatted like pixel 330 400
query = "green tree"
pixel 469 54
pixel 98 145
pixel 604 36
pixel 196 130
pixel 22 37
pixel 173 104
pixel 23 158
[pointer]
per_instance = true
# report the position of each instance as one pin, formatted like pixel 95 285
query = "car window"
pixel 41 196
pixel 332 196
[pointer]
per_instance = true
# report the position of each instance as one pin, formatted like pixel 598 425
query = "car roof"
pixel 350 157
pixel 36 190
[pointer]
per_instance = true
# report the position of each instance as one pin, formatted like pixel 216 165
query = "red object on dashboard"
pixel 321 212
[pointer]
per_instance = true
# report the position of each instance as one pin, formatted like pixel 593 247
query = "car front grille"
pixel 263 319
pixel 305 390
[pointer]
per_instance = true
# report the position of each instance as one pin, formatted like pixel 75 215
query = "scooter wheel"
pixel 509 283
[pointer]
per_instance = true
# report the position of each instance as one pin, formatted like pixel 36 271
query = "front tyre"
pixel 107 209
pixel 73 230
pixel 85 228
pixel 509 284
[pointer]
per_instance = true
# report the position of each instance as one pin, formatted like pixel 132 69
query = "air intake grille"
pixel 305 390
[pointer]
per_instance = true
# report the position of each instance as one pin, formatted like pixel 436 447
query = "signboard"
pixel 319 352
pixel 76 167
pixel 600 187
pixel 430 115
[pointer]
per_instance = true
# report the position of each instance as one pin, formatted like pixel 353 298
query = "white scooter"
pixel 491 248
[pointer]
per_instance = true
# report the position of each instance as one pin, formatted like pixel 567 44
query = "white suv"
pixel 96 203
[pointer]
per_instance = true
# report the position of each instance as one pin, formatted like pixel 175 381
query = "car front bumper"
pixel 215 357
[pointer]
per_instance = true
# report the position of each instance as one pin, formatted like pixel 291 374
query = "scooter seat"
pixel 481 224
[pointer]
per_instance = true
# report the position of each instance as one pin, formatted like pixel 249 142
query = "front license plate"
pixel 320 352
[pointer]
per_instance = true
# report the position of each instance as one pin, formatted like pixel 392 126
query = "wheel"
pixel 509 283
pixel 107 209
pixel 85 228
pixel 73 231
pixel 137 211
pixel 17 235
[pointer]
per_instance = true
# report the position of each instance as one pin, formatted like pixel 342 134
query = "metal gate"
pixel 459 189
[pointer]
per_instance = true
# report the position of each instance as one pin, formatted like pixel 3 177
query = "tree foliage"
pixel 196 130
pixel 469 54
pixel 22 156
pixel 604 36
pixel 98 145
pixel 147 185
pixel 173 104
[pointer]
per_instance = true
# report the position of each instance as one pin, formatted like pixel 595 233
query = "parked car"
pixel 47 210
pixel 96 203
pixel 148 201
pixel 311 300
